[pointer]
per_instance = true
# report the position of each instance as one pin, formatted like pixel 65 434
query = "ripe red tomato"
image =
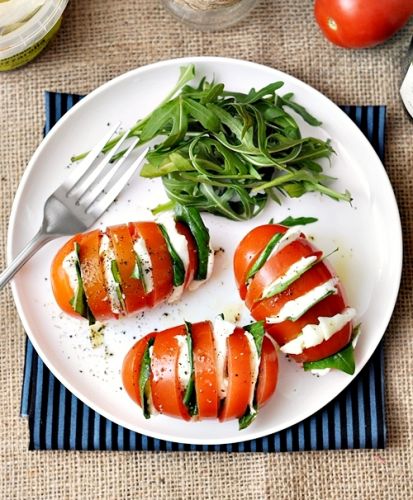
pixel 268 374
pixel 135 297
pixel 167 393
pixel 248 251
pixel 275 267
pixel 239 376
pixel 206 383
pixel 361 23
pixel 93 277
pixel 162 271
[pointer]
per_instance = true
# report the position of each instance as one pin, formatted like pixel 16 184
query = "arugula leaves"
pixel 228 152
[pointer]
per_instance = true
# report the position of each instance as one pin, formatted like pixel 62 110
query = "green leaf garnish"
pixel 257 331
pixel 116 276
pixel 144 375
pixel 228 152
pixel 177 264
pixel 297 221
pixel 189 398
pixel 263 257
pixel 191 217
pixel 343 360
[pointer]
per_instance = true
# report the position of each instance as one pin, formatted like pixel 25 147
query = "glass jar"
pixel 406 89
pixel 209 15
pixel 26 27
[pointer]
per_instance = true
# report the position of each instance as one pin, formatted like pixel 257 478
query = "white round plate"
pixel 368 235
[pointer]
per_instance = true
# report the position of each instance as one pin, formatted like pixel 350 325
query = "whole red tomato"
pixel 361 23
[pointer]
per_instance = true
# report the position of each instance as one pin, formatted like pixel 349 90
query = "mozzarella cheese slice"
pixel 184 365
pixel 221 330
pixel 313 335
pixel 255 363
pixel 69 266
pixel 294 309
pixel 108 255
pixel 141 251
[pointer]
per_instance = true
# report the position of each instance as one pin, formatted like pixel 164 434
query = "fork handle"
pixel 39 240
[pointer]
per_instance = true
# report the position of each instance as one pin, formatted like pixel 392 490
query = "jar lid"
pixel 33 29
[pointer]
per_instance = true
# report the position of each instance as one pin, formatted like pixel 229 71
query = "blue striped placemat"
pixel 355 419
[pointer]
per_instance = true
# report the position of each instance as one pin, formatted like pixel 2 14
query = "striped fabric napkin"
pixel 355 419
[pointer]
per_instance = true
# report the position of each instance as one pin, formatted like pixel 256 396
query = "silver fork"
pixel 80 200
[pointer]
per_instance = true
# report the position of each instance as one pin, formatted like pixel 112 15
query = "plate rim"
pixel 398 245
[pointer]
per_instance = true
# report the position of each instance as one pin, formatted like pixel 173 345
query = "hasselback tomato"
pixel 202 370
pixel 106 274
pixel 289 285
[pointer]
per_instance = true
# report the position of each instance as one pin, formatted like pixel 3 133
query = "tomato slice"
pixel 240 376
pixel 62 290
pixel 133 290
pixel 92 275
pixel 249 249
pixel 327 348
pixel 206 383
pixel 131 368
pixel 193 254
pixel 268 373
pixel 277 266
pixel 314 277
pixel 167 394
pixel 162 270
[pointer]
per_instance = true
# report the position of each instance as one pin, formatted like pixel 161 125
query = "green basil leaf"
pixel 177 264
pixel 257 330
pixel 191 217
pixel 263 257
pixel 297 221
pixel 247 419
pixel 143 381
pixel 343 360
pixel 189 398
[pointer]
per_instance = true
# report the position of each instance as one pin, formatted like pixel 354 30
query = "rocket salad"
pixel 228 152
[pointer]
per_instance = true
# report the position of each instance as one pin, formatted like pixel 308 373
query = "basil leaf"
pixel 137 272
pixel 191 217
pixel 297 221
pixel 189 398
pixel 79 300
pixel 144 375
pixel 343 360
pixel 284 284
pixel 247 419
pixel 257 330
pixel 263 257
pixel 116 276
pixel 177 264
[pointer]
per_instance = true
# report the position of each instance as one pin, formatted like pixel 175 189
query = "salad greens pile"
pixel 227 152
